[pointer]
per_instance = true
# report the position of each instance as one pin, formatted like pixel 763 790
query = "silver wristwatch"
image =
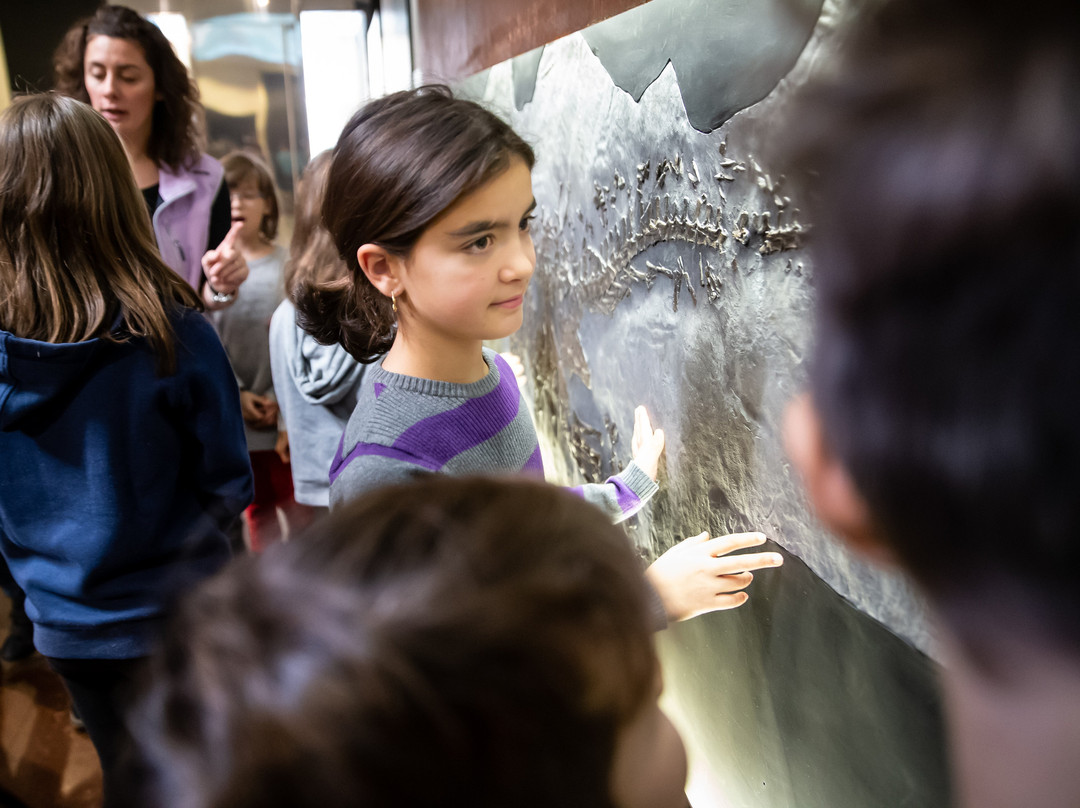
pixel 220 297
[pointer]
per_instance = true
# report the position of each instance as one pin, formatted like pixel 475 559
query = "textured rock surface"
pixel 671 272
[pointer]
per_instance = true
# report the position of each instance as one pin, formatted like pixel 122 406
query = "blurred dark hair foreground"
pixel 452 641
pixel 940 164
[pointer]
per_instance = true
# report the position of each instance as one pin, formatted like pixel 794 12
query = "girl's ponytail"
pixel 320 284
pixel 337 311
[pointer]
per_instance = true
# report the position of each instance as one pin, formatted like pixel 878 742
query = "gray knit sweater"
pixel 316 391
pixel 244 329
pixel 403 424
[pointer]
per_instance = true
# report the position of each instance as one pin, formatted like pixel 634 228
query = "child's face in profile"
pixel 465 278
pixel 649 770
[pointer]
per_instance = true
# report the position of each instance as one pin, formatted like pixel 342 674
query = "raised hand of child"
pixel 697 575
pixel 647 444
pixel 224 267
pixel 258 411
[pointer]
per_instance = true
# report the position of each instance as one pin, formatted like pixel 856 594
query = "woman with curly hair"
pixel 124 67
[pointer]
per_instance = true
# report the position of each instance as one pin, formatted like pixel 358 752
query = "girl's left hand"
pixel 699 575
pixel 647 445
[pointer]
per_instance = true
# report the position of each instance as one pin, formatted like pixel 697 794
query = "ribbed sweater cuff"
pixel 639 482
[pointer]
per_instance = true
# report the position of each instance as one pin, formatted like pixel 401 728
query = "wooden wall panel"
pixel 456 38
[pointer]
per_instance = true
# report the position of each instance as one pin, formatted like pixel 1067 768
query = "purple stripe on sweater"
pixel 337 463
pixel 378 450
pixel 535 463
pixel 442 437
pixel 628 501
pixel 379 387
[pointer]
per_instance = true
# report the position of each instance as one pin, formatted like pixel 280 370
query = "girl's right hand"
pixel 647 444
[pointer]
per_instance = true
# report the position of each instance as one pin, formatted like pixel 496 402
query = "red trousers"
pixel 273 490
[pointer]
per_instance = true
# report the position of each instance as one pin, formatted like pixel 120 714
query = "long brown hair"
pixel 313 257
pixel 176 135
pixel 400 161
pixel 76 248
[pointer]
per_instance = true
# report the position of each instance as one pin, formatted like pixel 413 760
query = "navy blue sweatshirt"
pixel 116 484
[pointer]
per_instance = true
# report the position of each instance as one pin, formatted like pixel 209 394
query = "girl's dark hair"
pixel 400 162
pixel 176 135
pixel 434 643
pixel 241 166
pixel 313 256
pixel 76 247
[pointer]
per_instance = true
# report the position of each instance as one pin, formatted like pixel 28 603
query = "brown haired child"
pixel 245 332
pixel 450 641
pixel 123 451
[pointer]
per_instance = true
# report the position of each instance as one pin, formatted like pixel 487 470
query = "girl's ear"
pixel 382 268
pixel 829 486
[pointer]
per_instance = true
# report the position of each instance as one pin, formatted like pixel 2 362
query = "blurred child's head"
pixel 313 257
pixel 401 162
pixel 252 193
pixel 448 642
pixel 76 248
pixel 946 376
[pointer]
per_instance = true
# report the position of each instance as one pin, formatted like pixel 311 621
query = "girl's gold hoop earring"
pixel 393 302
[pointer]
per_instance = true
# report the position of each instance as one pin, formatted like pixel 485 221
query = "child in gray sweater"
pixel 315 384
pixel 429 201
pixel 244 328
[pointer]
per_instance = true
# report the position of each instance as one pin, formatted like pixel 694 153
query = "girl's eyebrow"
pixel 117 68
pixel 473 228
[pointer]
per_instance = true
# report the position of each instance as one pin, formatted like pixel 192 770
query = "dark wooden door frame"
pixel 456 38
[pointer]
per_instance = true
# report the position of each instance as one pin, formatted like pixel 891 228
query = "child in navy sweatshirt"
pixel 123 449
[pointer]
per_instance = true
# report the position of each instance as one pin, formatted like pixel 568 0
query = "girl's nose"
pixel 520 265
